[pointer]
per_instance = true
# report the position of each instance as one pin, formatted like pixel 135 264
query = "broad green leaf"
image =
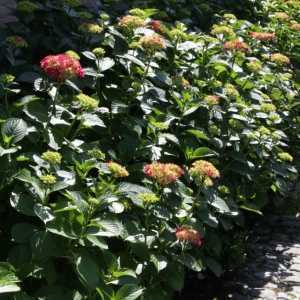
pixel 22 203
pixel 220 205
pixel 105 227
pixel 129 292
pixel 190 262
pixel 198 134
pixel 97 241
pixel 16 128
pixel 88 270
pixel 105 64
pixel 25 176
pixel 160 262
pixel 91 120
pixel 8 279
pixel 44 213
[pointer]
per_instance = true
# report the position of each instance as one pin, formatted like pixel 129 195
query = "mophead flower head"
pixel 148 198
pixel 86 102
pixel 99 52
pixel 231 91
pixel 222 29
pixel 281 16
pixel 131 22
pixel 92 28
pixel 7 79
pixel 280 59
pixel 189 235
pixel 156 25
pixel 237 45
pixel 163 173
pixel 61 67
pixel 267 107
pixel 212 100
pixel 52 157
pixel 263 36
pixel 295 26
pixel 204 172
pixel 254 66
pixel 285 156
pixel 48 179
pixel 153 42
pixel 117 170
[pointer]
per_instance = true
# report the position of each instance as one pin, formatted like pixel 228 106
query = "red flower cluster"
pixel 61 67
pixel 236 45
pixel 263 36
pixel 164 174
pixel 192 236
pixel 156 25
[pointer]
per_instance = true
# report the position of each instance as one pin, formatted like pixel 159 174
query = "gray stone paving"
pixel 273 271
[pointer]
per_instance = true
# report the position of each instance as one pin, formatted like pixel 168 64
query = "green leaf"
pixel 22 203
pixel 97 241
pixel 25 176
pixel 200 153
pixel 198 134
pixel 105 64
pixel 44 213
pixel 88 270
pixel 160 262
pixel 220 204
pixel 190 262
pixel 91 120
pixel 129 292
pixel 8 279
pixel 16 128
pixel 106 227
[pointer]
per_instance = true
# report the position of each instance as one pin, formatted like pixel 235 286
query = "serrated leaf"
pixel 105 64
pixel 160 262
pixel 106 227
pixel 43 212
pixel 8 279
pixel 16 128
pixel 91 120
pixel 88 270
pixel 129 292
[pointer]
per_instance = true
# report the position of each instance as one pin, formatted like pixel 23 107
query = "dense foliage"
pixel 131 148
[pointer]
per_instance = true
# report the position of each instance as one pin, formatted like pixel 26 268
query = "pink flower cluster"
pixel 192 236
pixel 236 45
pixel 263 36
pixel 162 173
pixel 61 67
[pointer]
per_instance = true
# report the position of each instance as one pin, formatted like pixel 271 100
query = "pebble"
pixel 273 270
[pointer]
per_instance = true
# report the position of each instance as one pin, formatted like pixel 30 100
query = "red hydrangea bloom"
pixel 156 25
pixel 61 67
pixel 263 36
pixel 192 236
pixel 236 45
pixel 164 174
